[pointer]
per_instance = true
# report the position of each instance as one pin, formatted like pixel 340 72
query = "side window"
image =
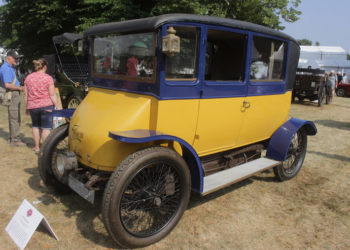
pixel 183 65
pixel 267 61
pixel 124 55
pixel 225 56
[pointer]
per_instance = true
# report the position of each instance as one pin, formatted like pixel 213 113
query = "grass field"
pixel 312 211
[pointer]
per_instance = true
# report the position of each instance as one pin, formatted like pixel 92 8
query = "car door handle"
pixel 246 104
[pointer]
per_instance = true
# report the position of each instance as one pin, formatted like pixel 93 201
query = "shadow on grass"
pixel 85 212
pixel 332 156
pixel 5 135
pixel 305 103
pixel 88 216
pixel 334 124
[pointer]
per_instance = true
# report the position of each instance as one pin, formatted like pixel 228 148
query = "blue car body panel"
pixel 281 139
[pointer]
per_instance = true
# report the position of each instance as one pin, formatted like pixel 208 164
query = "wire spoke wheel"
pixel 74 102
pixel 295 157
pixel 146 197
pixel 150 199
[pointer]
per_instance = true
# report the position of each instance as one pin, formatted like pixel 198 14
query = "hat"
pixel 13 53
pixel 332 71
pixel 339 72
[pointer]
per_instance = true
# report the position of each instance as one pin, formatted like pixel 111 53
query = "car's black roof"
pixel 66 38
pixel 157 21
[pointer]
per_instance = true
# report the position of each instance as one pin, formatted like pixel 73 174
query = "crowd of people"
pixel 39 98
pixel 333 80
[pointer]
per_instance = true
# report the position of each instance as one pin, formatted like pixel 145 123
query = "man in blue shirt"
pixel 10 82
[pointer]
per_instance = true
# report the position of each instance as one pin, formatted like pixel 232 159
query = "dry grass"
pixel 311 211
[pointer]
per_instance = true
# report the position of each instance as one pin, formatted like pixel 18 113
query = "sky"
pixel 324 21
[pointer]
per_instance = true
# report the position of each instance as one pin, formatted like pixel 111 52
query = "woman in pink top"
pixel 39 96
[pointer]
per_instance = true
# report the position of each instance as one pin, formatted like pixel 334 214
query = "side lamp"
pixel 171 43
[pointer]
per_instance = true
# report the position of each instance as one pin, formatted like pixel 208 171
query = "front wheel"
pixel 146 197
pixel 295 157
pixel 53 175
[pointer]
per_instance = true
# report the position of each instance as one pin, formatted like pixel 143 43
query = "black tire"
pixel 341 92
pixel 143 180
pixel 295 157
pixel 56 141
pixel 73 102
pixel 321 99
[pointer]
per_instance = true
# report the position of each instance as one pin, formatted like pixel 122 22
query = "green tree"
pixel 29 25
pixel 304 42
pixel 317 43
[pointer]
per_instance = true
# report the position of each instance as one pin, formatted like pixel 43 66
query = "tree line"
pixel 307 42
pixel 28 26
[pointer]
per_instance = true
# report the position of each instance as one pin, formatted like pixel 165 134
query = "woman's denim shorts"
pixel 40 119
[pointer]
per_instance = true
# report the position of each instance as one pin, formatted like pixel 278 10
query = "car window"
pixel 127 55
pixel 225 56
pixel 267 59
pixel 183 66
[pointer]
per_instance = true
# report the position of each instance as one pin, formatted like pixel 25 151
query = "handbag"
pixel 6 95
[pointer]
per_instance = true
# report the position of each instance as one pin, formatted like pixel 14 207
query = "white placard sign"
pixel 24 223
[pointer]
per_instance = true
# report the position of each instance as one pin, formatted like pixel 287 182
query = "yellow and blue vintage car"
pixel 176 103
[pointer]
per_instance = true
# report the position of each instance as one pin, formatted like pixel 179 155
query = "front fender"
pixel 281 139
pixel 189 154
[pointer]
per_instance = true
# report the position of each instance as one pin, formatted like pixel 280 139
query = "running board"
pixel 229 176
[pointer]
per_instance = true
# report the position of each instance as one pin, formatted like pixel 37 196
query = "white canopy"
pixel 323 53
pixel 342 66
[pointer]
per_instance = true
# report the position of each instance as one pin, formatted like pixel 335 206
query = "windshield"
pixel 124 55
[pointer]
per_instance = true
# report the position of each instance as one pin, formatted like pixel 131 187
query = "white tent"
pixel 342 66
pixel 322 53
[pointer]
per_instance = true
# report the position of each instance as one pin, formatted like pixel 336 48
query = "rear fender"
pixel 281 139
pixel 189 154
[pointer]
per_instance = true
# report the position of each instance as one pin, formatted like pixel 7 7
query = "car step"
pixel 227 177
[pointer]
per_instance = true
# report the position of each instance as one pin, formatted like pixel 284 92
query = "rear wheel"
pixel 341 92
pixel 146 197
pixel 73 102
pixel 52 175
pixel 295 157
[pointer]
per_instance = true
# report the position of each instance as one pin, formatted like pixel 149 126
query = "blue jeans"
pixel 40 119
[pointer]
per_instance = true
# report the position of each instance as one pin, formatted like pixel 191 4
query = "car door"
pixel 222 89
pixel 267 104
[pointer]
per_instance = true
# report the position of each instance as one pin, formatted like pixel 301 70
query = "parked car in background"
pixel 343 90
pixel 310 84
pixel 69 71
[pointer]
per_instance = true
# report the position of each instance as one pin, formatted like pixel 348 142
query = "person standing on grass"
pixel 39 97
pixel 11 83
pixel 331 82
